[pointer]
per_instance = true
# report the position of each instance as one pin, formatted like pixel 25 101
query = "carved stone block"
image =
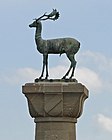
pixel 55 107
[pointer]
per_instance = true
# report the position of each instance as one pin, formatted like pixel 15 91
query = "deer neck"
pixel 38 38
pixel 38 32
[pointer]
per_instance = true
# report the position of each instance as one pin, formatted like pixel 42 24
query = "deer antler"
pixel 54 15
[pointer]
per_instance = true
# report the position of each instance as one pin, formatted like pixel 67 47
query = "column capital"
pixel 55 99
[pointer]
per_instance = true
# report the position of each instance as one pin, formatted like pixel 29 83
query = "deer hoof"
pixel 40 77
pixel 64 77
pixel 71 77
pixel 46 77
pixel 36 80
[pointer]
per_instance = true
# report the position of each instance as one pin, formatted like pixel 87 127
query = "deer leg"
pixel 70 57
pixel 46 59
pixel 72 73
pixel 73 65
pixel 64 77
pixel 44 63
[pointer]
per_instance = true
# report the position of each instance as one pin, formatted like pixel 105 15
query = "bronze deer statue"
pixel 69 46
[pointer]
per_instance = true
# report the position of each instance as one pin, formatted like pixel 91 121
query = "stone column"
pixel 55 107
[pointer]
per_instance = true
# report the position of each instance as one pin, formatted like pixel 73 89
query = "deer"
pixel 69 46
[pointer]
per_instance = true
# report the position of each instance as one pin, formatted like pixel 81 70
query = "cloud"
pixel 58 71
pixel 97 61
pixel 99 64
pixel 22 75
pixel 105 122
pixel 89 78
pixel 19 76
pixel 94 72
pixel 29 74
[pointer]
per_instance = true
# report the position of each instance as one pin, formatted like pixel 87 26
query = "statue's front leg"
pixel 43 67
pixel 46 61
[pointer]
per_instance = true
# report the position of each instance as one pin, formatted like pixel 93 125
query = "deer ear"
pixel 36 21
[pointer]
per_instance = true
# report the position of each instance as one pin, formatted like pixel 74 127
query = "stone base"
pixel 55 105
pixel 55 128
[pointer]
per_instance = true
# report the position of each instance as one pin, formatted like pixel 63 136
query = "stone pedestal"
pixel 55 107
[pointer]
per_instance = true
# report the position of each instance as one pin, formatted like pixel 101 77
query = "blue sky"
pixel 88 21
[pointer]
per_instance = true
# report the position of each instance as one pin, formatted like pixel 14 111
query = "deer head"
pixel 54 15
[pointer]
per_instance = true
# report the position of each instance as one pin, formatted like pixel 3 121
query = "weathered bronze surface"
pixel 69 46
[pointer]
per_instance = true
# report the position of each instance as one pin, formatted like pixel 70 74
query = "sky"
pixel 88 21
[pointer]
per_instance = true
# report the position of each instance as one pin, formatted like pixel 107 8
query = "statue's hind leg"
pixel 64 77
pixel 73 64
pixel 72 74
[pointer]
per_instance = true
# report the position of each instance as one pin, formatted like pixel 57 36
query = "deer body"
pixel 69 46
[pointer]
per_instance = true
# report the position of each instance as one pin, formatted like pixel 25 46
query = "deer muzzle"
pixel 30 25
